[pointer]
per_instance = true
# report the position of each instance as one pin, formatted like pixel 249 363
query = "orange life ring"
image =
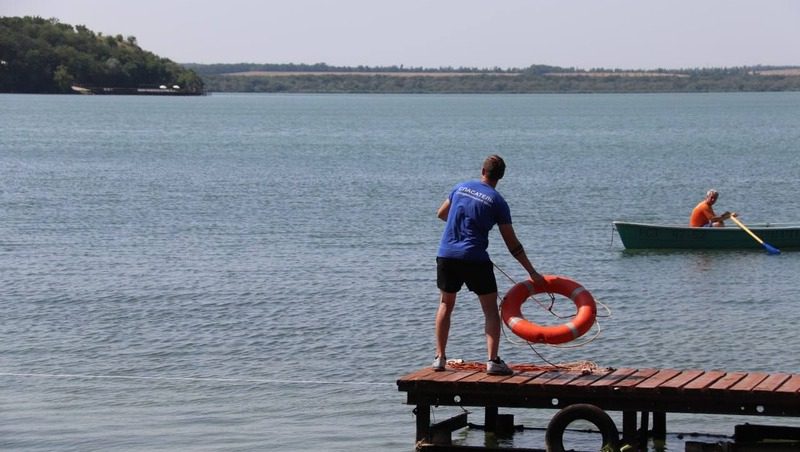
pixel 511 311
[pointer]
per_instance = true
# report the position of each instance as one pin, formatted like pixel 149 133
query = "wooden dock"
pixel 637 393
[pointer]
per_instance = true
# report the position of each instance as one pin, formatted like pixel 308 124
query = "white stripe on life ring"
pixel 572 329
pixel 513 321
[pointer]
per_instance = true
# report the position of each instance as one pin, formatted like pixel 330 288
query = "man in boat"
pixel 470 212
pixel 703 214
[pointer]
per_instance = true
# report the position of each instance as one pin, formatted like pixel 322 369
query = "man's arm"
pixel 516 250
pixel 725 215
pixel 444 209
pixel 712 217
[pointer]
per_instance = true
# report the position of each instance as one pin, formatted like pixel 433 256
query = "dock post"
pixel 659 427
pixel 504 427
pixel 629 427
pixel 490 419
pixel 423 414
pixel 441 432
pixel 639 435
pixel 644 428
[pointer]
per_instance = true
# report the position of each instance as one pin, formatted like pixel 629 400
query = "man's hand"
pixel 537 279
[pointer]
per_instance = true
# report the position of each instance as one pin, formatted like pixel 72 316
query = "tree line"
pixel 534 79
pixel 46 56
pixel 233 68
pixel 494 84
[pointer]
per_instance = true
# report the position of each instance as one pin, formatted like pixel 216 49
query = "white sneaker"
pixel 439 363
pixel 498 367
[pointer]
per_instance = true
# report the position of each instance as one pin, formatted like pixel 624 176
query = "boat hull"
pixel 651 236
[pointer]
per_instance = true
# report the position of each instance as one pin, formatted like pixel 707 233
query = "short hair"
pixel 495 167
pixel 712 192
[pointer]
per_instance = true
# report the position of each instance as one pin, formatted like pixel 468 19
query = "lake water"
pixel 254 272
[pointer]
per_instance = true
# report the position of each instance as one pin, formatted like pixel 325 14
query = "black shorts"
pixel 451 274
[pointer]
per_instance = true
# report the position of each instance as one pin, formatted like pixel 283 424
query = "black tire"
pixel 554 436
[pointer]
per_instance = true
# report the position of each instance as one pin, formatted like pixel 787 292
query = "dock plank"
pixel 495 378
pixel 636 378
pixel 530 374
pixel 474 377
pixel 790 386
pixel 522 377
pixel 749 382
pixel 705 380
pixel 586 379
pixel 563 378
pixel 658 378
pixel 419 375
pixel 681 380
pixel 613 377
pixel 728 380
pixel 456 375
pixel 772 382
pixel 543 378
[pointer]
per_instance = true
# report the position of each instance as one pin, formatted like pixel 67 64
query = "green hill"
pixel 45 56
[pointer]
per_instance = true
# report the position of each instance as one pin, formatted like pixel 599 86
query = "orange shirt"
pixel 701 214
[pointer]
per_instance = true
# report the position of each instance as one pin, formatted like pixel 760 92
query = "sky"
pixel 584 34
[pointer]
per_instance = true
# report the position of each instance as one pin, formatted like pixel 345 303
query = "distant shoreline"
pixel 540 80
pixel 365 74
pixel 789 72
pixel 456 74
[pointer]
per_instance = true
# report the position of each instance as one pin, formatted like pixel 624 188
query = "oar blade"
pixel 770 249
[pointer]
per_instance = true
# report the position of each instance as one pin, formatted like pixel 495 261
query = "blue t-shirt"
pixel 475 208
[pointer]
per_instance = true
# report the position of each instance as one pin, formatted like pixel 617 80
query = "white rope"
pixel 197 379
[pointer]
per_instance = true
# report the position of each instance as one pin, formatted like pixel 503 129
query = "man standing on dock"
pixel 470 212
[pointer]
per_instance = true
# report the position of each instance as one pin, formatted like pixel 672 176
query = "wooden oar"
pixel 770 249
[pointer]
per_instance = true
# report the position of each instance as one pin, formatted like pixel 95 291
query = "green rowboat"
pixel 642 236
